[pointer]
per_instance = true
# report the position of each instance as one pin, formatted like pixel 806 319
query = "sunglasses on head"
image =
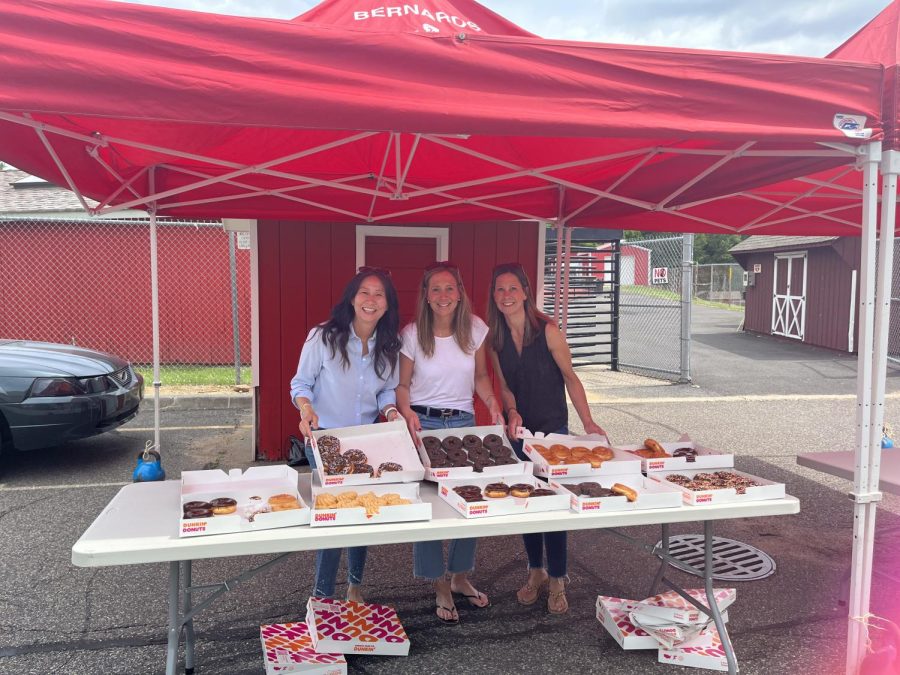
pixel 504 268
pixel 442 264
pixel 365 269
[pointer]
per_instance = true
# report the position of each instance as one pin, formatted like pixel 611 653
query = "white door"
pixel 789 295
pixel 626 274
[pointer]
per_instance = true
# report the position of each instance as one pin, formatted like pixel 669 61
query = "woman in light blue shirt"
pixel 347 376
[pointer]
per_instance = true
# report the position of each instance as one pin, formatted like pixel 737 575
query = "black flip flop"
pixel 477 596
pixel 449 622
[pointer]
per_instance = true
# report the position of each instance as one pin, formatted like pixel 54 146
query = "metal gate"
pixel 650 308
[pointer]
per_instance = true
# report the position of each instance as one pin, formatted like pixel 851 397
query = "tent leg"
pixel 863 508
pixel 154 302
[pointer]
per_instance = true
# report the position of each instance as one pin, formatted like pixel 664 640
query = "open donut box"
pixel 764 489
pixel 386 442
pixel 650 495
pixel 257 481
pixel 356 515
pixel 465 472
pixel 706 458
pixel 503 506
pixel 621 462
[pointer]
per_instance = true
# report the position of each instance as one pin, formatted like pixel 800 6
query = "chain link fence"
pixel 650 306
pixel 719 282
pixel 87 283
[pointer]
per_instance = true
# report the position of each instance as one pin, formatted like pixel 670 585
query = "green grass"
pixel 195 375
pixel 651 292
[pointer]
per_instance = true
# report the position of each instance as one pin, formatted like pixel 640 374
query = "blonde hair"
pixel 461 324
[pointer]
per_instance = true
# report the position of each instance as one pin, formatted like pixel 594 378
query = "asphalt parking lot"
pixel 766 400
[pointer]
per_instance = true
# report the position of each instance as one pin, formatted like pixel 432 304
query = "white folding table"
pixel 140 525
pixel 842 464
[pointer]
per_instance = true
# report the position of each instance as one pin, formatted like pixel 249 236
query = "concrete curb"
pixel 200 401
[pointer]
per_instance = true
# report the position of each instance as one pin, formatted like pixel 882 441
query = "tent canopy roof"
pixel 219 116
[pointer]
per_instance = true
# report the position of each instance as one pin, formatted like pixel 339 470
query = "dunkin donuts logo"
pixel 325 517
pixel 590 506
pixel 702 499
pixel 349 622
pixel 337 480
pixel 559 472
pixel 442 474
pixel 478 510
pixel 194 526
pixel 653 466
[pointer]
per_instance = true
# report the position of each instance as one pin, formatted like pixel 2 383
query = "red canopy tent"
pixel 371 116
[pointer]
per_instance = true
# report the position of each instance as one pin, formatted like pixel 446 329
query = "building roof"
pixel 22 193
pixel 776 243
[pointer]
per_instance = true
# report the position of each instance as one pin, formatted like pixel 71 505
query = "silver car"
pixel 53 393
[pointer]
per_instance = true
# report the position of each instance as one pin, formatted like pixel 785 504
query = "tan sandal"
pixel 528 594
pixel 557 602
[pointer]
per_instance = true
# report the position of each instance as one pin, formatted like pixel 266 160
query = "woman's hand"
pixel 309 420
pixel 513 422
pixel 593 428
pixel 414 425
pixel 496 412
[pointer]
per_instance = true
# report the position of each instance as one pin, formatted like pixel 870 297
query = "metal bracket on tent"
pixel 865 497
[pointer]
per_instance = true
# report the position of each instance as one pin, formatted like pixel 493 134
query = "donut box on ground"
pixel 387 442
pixel 288 648
pixel 453 473
pixel 251 490
pixel 651 495
pixel 357 515
pixel 621 462
pixel 764 489
pixel 703 651
pixel 613 614
pixel 669 634
pixel 503 506
pixel 670 606
pixel 344 627
pixel 706 458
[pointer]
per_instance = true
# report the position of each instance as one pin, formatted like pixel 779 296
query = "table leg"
pixel 174 634
pixel 663 563
pixel 710 597
pixel 189 624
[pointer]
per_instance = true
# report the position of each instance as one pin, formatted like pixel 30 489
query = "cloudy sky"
pixel 805 27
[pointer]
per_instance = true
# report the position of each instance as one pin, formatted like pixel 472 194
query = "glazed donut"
pixel 328 443
pixel 471 441
pixel 496 490
pixel 539 449
pixel 521 490
pixel 561 452
pixel 285 504
pixel 492 441
pixel 222 506
pixel 654 447
pixel 189 514
pixel 452 443
pixel 629 493
pixel 579 452
pixel 355 456
pixel 595 461
pixel 431 443
pixel 603 452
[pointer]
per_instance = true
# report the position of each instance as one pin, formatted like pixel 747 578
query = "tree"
pixel 708 248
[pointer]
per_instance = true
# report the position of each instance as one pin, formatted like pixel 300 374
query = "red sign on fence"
pixel 660 275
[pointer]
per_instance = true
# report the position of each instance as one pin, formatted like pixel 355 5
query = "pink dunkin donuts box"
pixel 344 627
pixel 704 651
pixel 613 614
pixel 288 648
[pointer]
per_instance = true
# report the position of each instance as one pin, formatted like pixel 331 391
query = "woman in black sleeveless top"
pixel 534 365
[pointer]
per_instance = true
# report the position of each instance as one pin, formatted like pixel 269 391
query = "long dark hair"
pixel 336 331
pixel 535 320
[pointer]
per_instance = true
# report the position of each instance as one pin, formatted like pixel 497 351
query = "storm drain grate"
pixel 732 560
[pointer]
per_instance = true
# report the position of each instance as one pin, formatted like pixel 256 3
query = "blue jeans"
pixel 428 556
pixel 536 543
pixel 328 561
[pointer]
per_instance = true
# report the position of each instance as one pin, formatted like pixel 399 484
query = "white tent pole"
pixel 154 303
pixel 863 507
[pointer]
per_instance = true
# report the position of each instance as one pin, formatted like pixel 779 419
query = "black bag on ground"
pixel 297 454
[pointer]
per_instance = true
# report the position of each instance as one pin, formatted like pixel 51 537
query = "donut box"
pixel 764 489
pixel 359 515
pixel 620 463
pixel 669 634
pixel 502 506
pixel 650 495
pixel 288 648
pixel 613 614
pixel 381 443
pixel 671 607
pixel 703 651
pixel 705 458
pixel 344 627
pixel 458 473
pixel 251 490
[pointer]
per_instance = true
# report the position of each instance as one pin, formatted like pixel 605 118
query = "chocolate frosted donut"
pixel 502 461
pixel 328 443
pixel 587 486
pixel 188 506
pixel 355 456
pixel 335 465
pixel 363 468
pixel 197 513
pixel 457 454
pixel 689 454
pixel 496 490
pixel 479 454
pixel 452 443
pixel 431 443
pixel 492 441
pixel 388 467
pixel 521 490
pixel 543 492
pixel 471 441
pixel 501 451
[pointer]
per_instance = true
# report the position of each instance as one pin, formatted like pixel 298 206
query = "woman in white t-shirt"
pixel 442 363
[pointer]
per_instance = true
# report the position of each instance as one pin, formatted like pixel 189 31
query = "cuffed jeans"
pixel 428 556
pixel 554 544
pixel 328 561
